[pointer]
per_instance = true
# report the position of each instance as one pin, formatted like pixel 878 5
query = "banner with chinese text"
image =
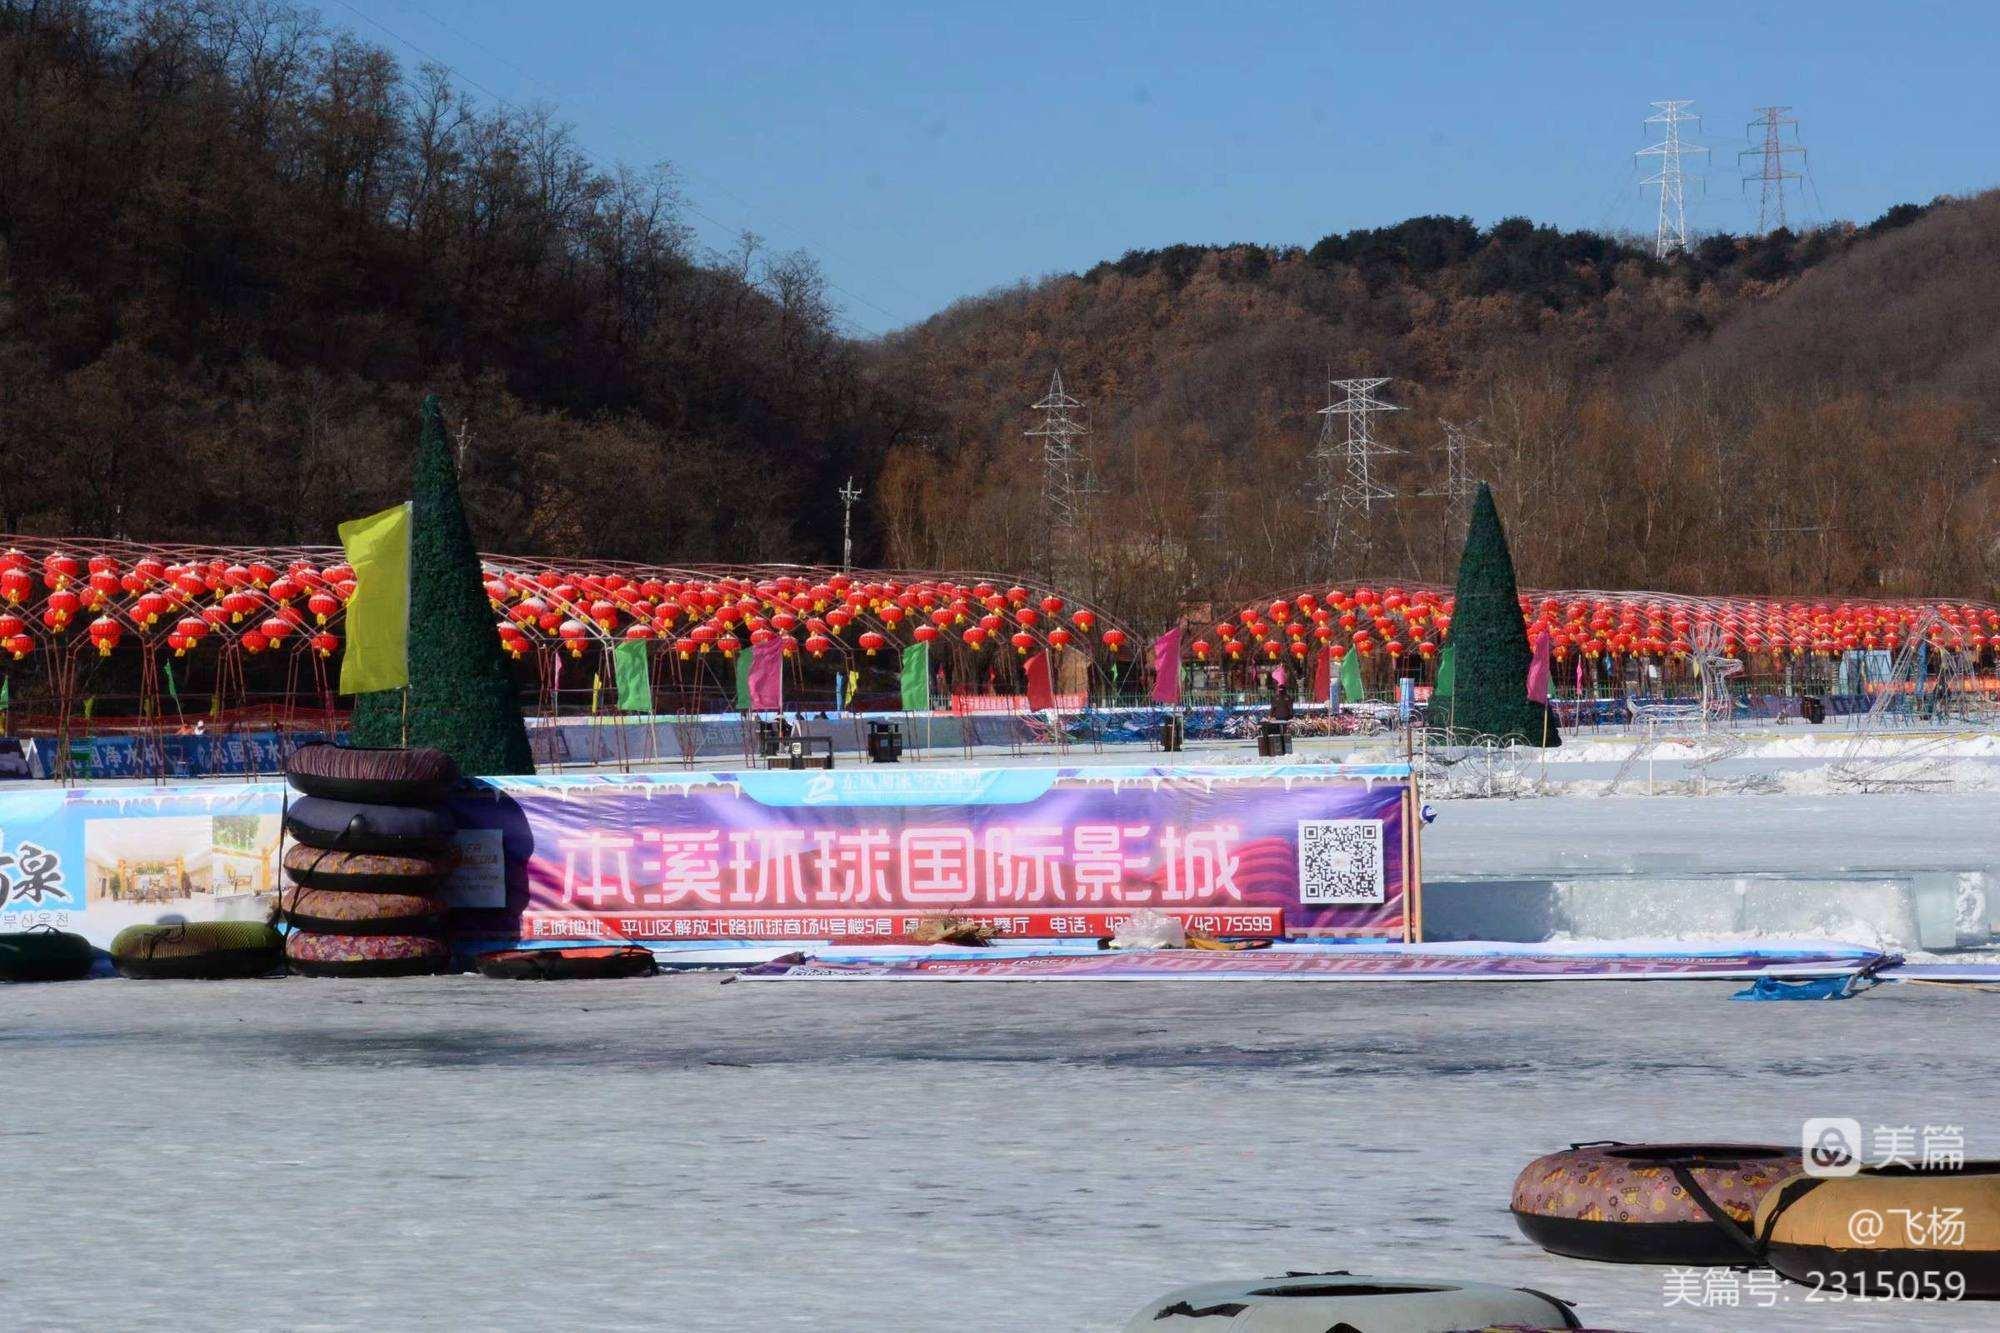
pixel 848 856
pixel 867 854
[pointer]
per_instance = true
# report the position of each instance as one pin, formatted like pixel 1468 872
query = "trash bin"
pixel 1812 708
pixel 1173 735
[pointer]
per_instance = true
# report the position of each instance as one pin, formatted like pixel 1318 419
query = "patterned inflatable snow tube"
pixel 590 964
pixel 367 872
pixel 1687 1204
pixel 1317 1302
pixel 198 951
pixel 44 955
pixel 357 826
pixel 373 776
pixel 343 913
pixel 315 954
pixel 1892 1233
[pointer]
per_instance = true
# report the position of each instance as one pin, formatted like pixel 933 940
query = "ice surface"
pixel 679 1154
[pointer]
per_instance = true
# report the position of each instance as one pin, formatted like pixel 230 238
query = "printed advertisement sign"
pixel 868 854
pixel 861 855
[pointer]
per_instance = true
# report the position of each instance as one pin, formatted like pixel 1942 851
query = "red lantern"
pixel 1022 641
pixel 1114 639
pixel 1058 638
pixel 574 633
pixel 326 643
pixel 818 644
pixel 105 633
pixel 18 646
pixel 871 642
pixel 924 633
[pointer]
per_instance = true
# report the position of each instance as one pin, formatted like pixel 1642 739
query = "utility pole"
pixel 1062 498
pixel 1671 233
pixel 848 495
pixel 1348 481
pixel 1771 172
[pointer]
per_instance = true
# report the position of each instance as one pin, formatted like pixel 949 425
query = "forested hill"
pixel 1789 412
pixel 235 246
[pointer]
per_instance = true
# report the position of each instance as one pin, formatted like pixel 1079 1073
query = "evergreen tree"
pixel 462 696
pixel 1489 642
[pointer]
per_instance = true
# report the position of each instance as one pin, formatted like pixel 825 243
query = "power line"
pixel 511 105
pixel 1772 173
pixel 1671 231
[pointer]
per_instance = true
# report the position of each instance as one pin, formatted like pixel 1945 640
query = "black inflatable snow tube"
pixel 354 826
pixel 339 912
pixel 44 955
pixel 585 964
pixel 198 951
pixel 382 776
pixel 367 872
pixel 313 954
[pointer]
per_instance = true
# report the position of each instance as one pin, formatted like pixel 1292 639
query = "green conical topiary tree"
pixel 1489 644
pixel 462 697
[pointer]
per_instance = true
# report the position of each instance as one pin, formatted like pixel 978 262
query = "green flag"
pixel 378 615
pixel 89 706
pixel 596 689
pixel 634 675
pixel 173 687
pixel 1446 670
pixel 1350 679
pixel 6 701
pixel 743 682
pixel 917 678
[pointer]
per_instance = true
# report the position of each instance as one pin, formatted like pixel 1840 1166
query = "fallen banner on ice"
pixel 1381 963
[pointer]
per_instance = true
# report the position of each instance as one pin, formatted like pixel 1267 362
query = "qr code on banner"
pixel 1340 861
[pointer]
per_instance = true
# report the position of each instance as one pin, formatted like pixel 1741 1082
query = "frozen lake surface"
pixel 677 1153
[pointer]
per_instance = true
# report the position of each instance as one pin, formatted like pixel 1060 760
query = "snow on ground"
pixel 1801 834
pixel 677 1153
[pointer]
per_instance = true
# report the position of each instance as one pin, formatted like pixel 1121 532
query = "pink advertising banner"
pixel 869 854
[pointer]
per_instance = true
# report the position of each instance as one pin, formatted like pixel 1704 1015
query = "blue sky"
pixel 923 153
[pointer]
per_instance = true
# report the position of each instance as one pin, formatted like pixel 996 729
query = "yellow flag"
pixel 378 615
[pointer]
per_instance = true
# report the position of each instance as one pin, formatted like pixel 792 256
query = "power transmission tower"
pixel 1348 483
pixel 1771 169
pixel 848 495
pixel 1459 485
pixel 1063 499
pixel 1671 234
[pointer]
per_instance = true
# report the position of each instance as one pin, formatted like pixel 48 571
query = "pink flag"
pixel 767 674
pixel 1167 668
pixel 1277 678
pixel 1538 670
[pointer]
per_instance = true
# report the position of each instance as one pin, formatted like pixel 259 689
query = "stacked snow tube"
pixel 372 850
pixel 198 951
pixel 1317 1302
pixel 1888 1233
pixel 44 955
pixel 1687 1204
pixel 581 964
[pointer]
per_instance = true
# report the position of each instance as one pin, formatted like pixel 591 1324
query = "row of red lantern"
pixel 726 615
pixel 1397 621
